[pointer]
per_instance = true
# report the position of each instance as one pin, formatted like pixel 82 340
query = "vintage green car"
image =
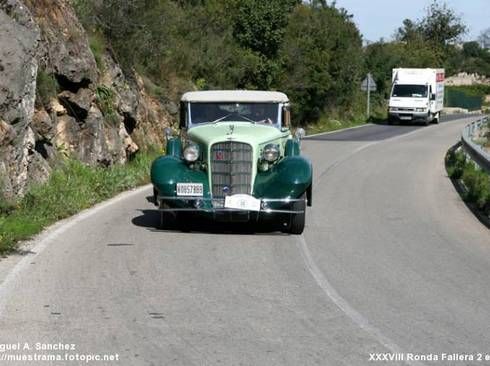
pixel 235 160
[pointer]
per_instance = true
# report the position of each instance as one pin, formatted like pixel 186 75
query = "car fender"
pixel 289 178
pixel 168 170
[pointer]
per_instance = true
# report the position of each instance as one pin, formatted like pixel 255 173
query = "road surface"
pixel 391 261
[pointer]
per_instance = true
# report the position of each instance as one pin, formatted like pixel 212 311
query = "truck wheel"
pixel 436 118
pixel 297 221
pixel 168 219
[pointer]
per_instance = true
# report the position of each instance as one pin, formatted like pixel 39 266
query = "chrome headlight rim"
pixel 191 153
pixel 270 153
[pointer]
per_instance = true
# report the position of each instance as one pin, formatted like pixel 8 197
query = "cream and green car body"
pixel 231 166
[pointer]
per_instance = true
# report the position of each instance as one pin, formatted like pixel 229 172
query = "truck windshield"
pixel 409 91
pixel 266 113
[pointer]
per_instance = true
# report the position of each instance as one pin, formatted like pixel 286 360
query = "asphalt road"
pixel 391 261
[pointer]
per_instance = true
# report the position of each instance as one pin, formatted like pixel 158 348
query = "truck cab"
pixel 417 95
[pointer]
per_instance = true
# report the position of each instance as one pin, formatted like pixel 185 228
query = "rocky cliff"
pixel 57 99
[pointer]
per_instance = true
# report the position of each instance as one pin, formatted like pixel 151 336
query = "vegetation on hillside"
pixel 311 50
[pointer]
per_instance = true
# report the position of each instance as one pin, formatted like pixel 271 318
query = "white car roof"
pixel 240 96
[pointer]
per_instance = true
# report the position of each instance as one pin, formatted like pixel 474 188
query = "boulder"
pixel 67 134
pixel 77 104
pixel 42 124
pixel 56 108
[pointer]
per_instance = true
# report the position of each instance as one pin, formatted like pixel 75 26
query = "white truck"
pixel 417 95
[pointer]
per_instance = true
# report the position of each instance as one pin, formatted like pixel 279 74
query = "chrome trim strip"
pixel 193 198
pixel 212 210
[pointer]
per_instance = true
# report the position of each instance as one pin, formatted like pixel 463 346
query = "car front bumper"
pixel 206 206
pixel 409 116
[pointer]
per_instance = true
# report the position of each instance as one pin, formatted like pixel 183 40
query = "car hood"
pixel 253 134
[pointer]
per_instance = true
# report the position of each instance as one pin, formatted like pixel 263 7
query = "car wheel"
pixel 168 219
pixel 297 221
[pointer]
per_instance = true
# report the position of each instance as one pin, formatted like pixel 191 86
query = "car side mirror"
pixel 182 116
pixel 168 133
pixel 433 97
pixel 286 116
pixel 300 133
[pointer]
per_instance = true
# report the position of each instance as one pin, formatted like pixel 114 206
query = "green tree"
pixel 441 25
pixel 322 60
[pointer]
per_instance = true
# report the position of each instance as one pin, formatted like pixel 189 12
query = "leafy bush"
pixel 478 184
pixel 455 163
pixel 475 180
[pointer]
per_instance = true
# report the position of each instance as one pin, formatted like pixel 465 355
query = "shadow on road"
pixel 192 223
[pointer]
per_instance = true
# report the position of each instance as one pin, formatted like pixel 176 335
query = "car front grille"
pixel 401 109
pixel 231 169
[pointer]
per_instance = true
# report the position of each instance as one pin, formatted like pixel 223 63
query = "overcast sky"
pixel 380 18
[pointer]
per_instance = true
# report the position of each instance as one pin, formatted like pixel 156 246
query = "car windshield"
pixel 266 113
pixel 409 91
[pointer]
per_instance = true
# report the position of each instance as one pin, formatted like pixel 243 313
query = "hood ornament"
pixel 232 128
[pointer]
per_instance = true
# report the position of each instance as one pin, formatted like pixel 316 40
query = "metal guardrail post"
pixel 476 152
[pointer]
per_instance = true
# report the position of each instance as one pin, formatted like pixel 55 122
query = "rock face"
pixel 56 101
pixel 464 78
pixel 19 41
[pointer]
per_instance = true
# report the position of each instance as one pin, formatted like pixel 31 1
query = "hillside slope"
pixel 57 99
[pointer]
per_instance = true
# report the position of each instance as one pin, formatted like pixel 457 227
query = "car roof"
pixel 240 96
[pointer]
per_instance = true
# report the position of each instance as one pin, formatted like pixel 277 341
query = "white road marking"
pixel 47 236
pixel 339 130
pixel 343 305
pixel 322 280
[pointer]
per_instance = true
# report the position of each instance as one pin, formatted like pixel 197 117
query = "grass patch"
pixel 72 187
pixel 47 87
pixel 326 124
pixel 105 99
pixel 475 181
pixel 98 47
pixel 335 121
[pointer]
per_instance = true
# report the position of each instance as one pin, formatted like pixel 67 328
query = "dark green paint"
pixel 168 170
pixel 174 147
pixel 292 148
pixel 289 178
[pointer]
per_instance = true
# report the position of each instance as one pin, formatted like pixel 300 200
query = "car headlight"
pixel 191 153
pixel 270 153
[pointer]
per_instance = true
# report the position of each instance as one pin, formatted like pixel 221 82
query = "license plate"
pixel 406 118
pixel 242 202
pixel 189 189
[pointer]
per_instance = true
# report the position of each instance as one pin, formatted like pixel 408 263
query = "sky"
pixel 380 18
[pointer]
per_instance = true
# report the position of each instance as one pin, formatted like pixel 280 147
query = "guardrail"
pixel 477 153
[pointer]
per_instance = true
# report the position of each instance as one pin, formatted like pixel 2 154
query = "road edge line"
pixel 339 130
pixel 343 305
pixel 41 241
